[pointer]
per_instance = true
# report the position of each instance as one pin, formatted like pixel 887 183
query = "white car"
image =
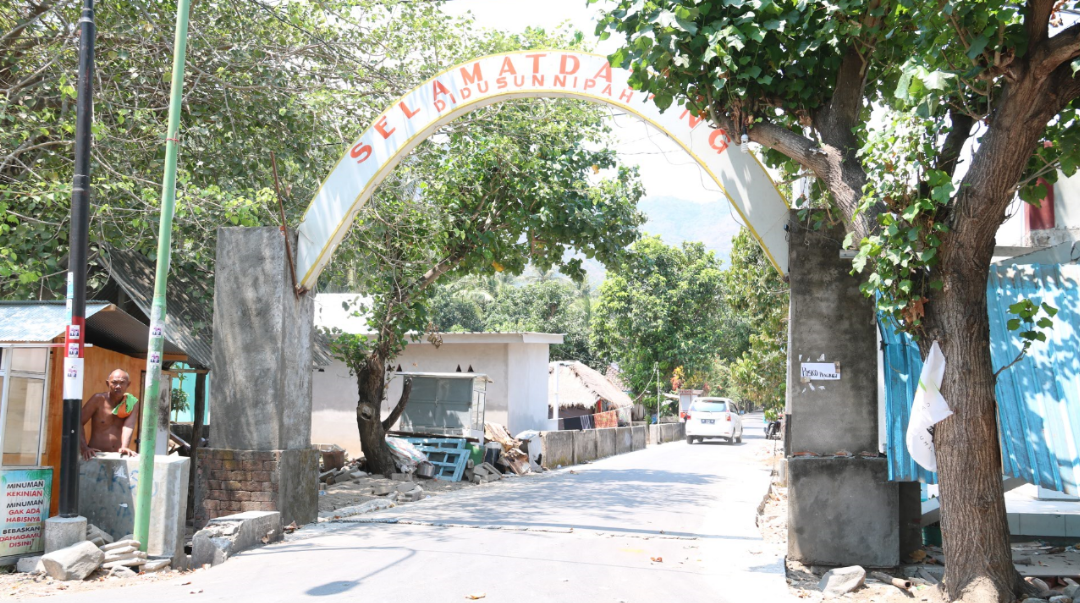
pixel 713 418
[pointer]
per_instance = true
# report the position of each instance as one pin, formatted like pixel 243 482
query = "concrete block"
pixel 624 440
pixel 107 486
pixel 835 323
pixel 62 532
pixel 296 477
pixel 262 385
pixel 584 446
pixel 1072 526
pixel 605 443
pixel 1041 525
pixel 75 562
pixel 29 565
pixel 558 448
pixel 639 435
pixel 654 435
pixel 226 536
pixel 843 511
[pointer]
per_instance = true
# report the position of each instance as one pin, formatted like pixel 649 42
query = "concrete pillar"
pixel 62 532
pixel 261 390
pixel 832 323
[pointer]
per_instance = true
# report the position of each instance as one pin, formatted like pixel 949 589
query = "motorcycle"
pixel 773 430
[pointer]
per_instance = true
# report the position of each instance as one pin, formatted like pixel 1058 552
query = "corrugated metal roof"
pixel 189 302
pixel 1038 397
pixel 37 321
pixel 106 326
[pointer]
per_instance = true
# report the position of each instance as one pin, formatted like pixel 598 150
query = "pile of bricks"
pixel 234 481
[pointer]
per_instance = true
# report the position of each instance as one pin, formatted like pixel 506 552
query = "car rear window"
pixel 709 406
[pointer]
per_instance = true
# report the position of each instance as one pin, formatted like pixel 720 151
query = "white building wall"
pixel 333 405
pixel 528 391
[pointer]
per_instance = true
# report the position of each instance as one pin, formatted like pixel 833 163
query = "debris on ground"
pixel 841 581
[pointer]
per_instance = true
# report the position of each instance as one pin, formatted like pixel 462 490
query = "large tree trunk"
pixel 370 382
pixel 974 526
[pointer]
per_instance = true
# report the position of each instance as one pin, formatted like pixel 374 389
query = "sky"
pixel 666 169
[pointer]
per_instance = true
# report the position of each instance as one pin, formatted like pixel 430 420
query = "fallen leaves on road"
pixel 656 559
pixel 476 596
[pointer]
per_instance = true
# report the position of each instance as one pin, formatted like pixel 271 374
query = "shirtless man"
pixel 114 415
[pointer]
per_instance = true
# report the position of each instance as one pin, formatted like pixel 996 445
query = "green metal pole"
pixel 148 430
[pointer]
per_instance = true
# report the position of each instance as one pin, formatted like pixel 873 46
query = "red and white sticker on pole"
pixel 73 349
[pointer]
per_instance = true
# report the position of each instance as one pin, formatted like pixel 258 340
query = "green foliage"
pixel 664 307
pixel 758 295
pixel 1027 318
pixel 549 306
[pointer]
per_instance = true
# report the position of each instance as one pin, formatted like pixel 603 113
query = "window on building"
pixel 22 404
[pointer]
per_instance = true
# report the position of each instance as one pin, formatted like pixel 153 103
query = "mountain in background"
pixel 677 220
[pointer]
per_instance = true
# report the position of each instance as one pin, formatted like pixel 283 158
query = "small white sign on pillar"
pixel 820 371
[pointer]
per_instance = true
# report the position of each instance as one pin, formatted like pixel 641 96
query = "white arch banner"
pixel 535 73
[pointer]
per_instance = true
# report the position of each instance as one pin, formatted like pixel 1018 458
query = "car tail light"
pixel 687 416
pixel 728 418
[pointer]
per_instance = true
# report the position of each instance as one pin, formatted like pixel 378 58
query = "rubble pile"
pixel 100 551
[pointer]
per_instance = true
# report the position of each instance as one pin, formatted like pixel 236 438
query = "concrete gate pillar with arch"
pixel 261 390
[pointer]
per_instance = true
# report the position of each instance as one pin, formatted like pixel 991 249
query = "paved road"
pixel 584 535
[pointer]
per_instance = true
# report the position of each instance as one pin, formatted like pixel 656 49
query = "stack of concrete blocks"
pixel 842 509
pixel 262 458
pixel 107 486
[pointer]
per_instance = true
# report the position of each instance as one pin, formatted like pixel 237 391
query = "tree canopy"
pixel 663 309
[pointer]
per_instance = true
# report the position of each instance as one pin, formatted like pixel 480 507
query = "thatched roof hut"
pixel 582 387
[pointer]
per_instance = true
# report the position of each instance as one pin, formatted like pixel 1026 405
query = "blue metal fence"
pixel 1038 397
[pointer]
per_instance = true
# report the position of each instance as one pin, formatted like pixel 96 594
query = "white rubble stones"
pixel 98 536
pixel 842 580
pixel 29 565
pixel 75 562
pixel 156 565
pixel 122 573
pixel 121 544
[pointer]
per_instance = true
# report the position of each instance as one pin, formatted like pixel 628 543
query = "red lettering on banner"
pixel 500 83
pixel 519 81
pixel 626 95
pixel 538 80
pixel 607 90
pixel 507 67
pixel 475 76
pixel 360 152
pixel 536 61
pixel 438 88
pixel 604 73
pixel 409 113
pixel 589 84
pixel 564 69
pixel 719 140
pixel 380 127
pixel 693 120
pixel 483 87
pixel 574 85
pixel 440 105
pixel 466 93
pixel 560 81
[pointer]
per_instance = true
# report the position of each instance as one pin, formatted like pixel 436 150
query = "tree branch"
pixel 1037 20
pixel 1050 54
pixel 949 156
pixel 406 389
pixel 836 121
pixel 795 146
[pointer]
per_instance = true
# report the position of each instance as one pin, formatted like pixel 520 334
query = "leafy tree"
pixel 296 78
pixel 454 313
pixel 516 188
pixel 758 295
pixel 663 308
pixel 801 78
pixel 548 306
